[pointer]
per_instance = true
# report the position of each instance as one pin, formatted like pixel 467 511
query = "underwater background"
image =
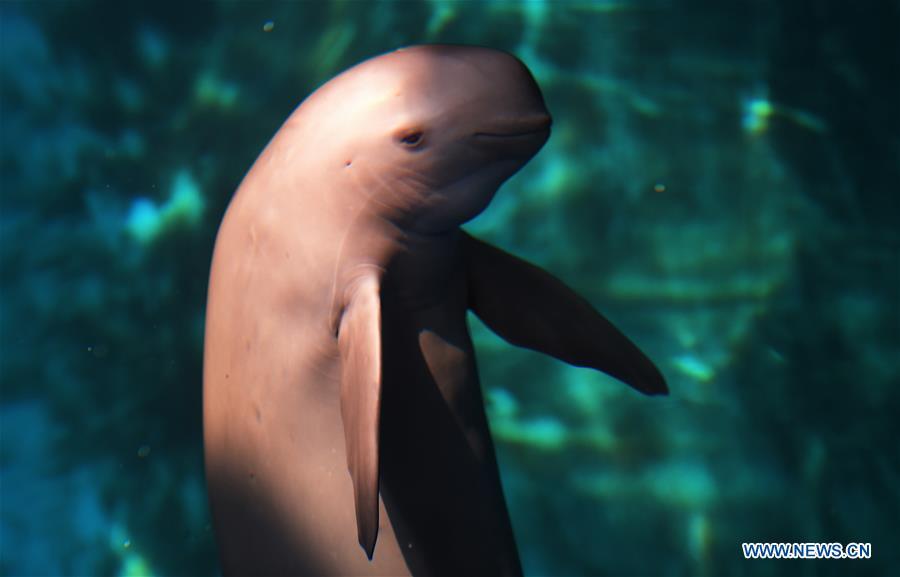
pixel 722 182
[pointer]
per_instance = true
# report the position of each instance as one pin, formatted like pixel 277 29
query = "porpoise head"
pixel 428 133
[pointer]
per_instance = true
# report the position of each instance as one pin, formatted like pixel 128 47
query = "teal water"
pixel 721 182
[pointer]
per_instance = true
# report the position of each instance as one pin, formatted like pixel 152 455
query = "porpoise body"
pixel 336 332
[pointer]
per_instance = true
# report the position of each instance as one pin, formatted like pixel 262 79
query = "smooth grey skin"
pixel 336 333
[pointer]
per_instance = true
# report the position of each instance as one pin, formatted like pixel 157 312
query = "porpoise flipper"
pixel 359 341
pixel 531 308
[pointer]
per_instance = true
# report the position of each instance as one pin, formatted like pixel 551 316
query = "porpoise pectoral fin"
pixel 531 308
pixel 359 340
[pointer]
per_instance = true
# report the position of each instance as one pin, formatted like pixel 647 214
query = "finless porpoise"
pixel 336 332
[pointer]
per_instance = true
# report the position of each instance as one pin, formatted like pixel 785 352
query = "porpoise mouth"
pixel 517 128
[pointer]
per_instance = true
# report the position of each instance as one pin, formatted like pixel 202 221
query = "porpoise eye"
pixel 411 139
